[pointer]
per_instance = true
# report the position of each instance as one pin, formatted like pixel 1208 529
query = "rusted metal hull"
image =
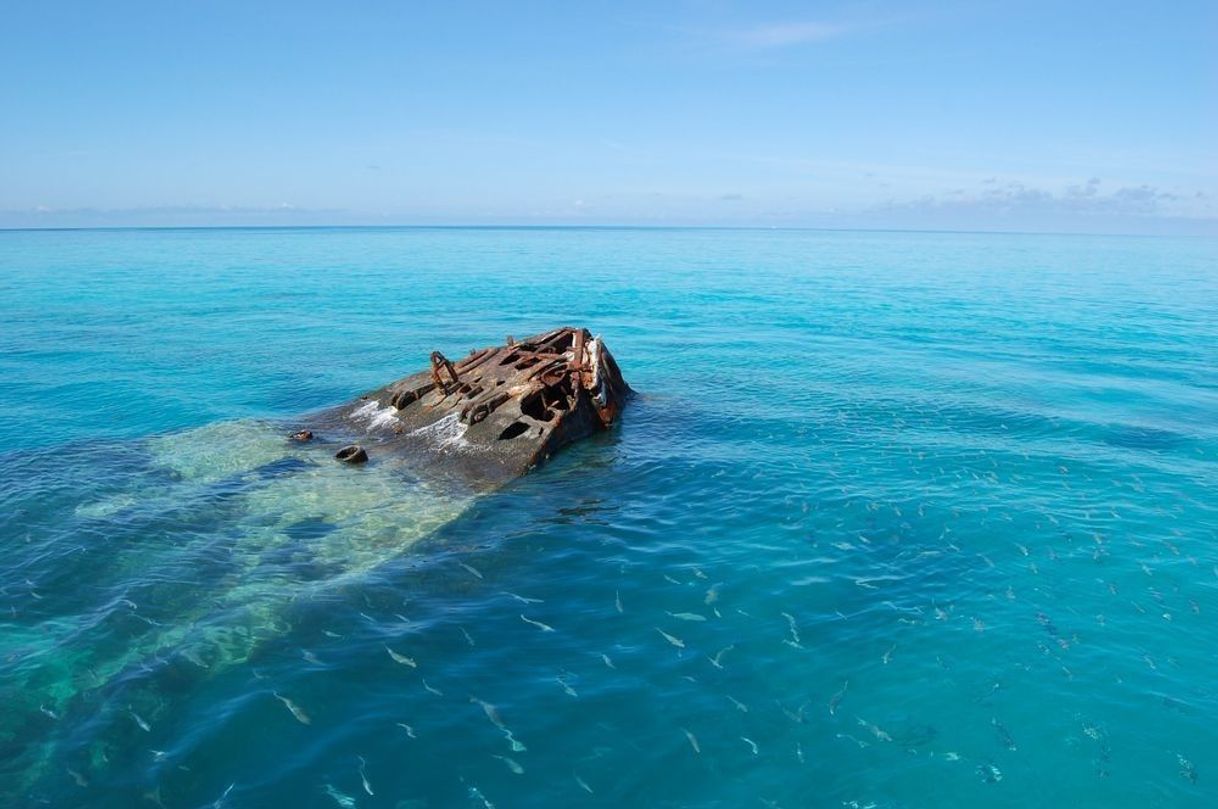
pixel 490 416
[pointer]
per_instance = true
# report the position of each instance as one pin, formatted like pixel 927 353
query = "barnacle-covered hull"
pixel 491 416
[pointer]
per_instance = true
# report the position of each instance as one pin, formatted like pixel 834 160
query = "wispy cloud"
pixel 1086 198
pixel 785 34
pixel 201 215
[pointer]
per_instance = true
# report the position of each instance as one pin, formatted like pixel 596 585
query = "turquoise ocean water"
pixel 895 520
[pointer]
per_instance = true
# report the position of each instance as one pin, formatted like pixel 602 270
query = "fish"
pixel 1101 763
pixel 799 752
pixel 693 740
pixel 794 630
pixel 888 655
pixel 1004 735
pixel 750 743
pixel 687 616
pixel 363 776
pixel 492 713
pixel 859 742
pixel 330 634
pixel 538 624
pixel 220 800
pixel 80 780
pixel 1187 770
pixel 301 716
pixel 989 773
pixel 717 660
pixel 712 594
pixel 1173 703
pixel 583 784
pixel 400 658
pixel 837 697
pixel 431 689
pixel 698 572
pixel 740 706
pixel 44 709
pixel 345 801
pixel 308 656
pixel 513 742
pixel 795 716
pixel 468 638
pixel 608 662
pixel 139 720
pixel 617 601
pixel 566 687
pixel 666 577
pixel 874 729
pixel 474 792
pixel 471 569
pixel 523 599
pixel 675 641
pixel 511 764
pixel 409 730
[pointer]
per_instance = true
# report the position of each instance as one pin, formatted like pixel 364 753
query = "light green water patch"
pixel 290 524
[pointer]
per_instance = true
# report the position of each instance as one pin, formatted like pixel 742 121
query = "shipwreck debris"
pixel 352 454
pixel 493 414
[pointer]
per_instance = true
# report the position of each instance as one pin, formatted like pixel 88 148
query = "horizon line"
pixel 557 226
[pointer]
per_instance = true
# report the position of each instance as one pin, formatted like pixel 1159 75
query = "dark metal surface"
pixel 494 414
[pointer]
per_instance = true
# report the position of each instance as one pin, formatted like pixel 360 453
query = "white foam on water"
pixel 366 410
pixel 445 433
pixel 376 416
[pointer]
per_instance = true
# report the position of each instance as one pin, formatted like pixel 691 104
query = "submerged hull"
pixel 489 417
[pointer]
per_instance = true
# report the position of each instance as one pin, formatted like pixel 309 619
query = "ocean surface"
pixel 894 520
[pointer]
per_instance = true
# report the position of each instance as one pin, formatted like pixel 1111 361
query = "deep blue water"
pixel 934 516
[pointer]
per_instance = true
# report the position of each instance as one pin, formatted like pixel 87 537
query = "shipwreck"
pixel 488 417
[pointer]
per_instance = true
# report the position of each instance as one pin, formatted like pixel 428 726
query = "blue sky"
pixel 1061 116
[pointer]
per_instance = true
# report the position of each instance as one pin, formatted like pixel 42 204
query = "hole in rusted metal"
pixel 562 342
pixel 534 407
pixel 513 430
